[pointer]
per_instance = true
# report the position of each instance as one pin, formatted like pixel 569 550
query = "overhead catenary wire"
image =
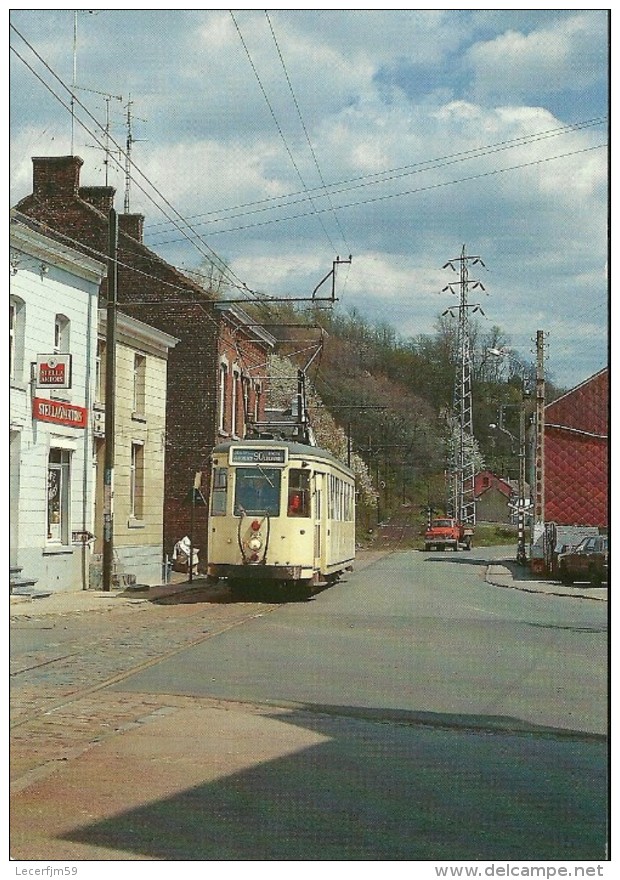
pixel 192 240
pixel 305 130
pixel 380 177
pixel 279 130
pixel 381 198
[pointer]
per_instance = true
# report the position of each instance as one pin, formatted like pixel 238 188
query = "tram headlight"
pixel 255 543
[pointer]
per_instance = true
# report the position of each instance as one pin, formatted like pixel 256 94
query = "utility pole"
pixel 539 469
pixel 462 464
pixel 110 404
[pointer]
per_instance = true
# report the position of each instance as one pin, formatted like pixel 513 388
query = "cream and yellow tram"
pixel 280 513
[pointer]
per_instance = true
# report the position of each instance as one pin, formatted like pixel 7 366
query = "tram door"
pixel 318 519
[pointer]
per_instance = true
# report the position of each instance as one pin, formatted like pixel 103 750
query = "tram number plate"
pixel 257 456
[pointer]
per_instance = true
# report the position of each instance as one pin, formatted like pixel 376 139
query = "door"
pixel 318 520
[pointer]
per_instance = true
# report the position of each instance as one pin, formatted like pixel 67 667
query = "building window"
pixel 246 403
pixel 136 481
pixel 139 383
pixel 58 483
pixel 100 370
pixel 62 326
pixel 234 403
pixel 16 337
pixel 257 401
pixel 223 397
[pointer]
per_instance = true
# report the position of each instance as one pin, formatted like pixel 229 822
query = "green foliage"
pixel 393 397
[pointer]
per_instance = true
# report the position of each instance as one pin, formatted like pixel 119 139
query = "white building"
pixel 53 303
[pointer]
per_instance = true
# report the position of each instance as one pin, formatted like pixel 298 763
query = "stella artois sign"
pixel 59 412
pixel 53 371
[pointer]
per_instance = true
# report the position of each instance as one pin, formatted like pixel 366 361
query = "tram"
pixel 281 514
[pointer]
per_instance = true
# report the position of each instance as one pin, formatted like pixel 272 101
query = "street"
pixel 411 712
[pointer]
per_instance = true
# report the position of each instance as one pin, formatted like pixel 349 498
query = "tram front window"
pixel 257 491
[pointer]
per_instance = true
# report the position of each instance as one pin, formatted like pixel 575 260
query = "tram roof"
pixel 296 449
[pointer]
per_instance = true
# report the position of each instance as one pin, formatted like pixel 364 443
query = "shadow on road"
pixel 365 789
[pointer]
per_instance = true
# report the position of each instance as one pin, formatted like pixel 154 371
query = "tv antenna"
pixel 106 147
pixel 130 141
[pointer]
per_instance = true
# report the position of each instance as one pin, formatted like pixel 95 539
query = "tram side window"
pixel 220 492
pixel 298 492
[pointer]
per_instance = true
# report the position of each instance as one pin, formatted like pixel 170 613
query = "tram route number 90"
pixel 257 456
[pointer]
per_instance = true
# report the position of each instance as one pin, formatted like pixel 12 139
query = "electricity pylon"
pixel 462 463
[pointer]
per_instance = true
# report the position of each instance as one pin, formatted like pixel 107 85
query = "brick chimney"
pixel 100 197
pixel 56 177
pixel 132 225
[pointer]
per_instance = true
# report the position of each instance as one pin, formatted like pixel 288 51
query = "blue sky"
pixel 283 139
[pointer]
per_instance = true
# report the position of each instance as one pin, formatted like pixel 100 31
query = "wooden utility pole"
pixel 110 404
pixel 539 497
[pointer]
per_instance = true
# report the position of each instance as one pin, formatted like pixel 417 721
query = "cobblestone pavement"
pixel 58 703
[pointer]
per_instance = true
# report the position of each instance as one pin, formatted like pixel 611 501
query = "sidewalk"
pixel 507 573
pixel 76 601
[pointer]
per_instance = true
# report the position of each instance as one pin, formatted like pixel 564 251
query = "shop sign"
pixel 53 371
pixel 58 412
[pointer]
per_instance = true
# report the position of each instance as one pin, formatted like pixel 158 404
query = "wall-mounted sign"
pixel 53 371
pixel 59 413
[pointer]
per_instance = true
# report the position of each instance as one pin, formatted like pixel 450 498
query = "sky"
pixel 274 142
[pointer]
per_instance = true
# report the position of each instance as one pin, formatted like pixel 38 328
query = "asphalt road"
pixel 420 633
pixel 410 713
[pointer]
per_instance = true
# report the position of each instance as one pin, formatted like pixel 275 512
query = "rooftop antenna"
pixel 106 147
pixel 74 75
pixel 130 141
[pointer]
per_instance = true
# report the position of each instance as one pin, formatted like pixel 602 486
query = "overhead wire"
pixel 192 240
pixel 387 196
pixel 279 130
pixel 305 130
pixel 26 220
pixel 388 175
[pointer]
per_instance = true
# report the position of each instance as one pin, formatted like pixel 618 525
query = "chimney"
pixel 56 176
pixel 100 197
pixel 132 225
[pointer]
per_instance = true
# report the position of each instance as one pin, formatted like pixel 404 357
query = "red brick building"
pixel 212 381
pixel 577 455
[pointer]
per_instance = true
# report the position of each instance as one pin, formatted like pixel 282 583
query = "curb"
pixel 499 575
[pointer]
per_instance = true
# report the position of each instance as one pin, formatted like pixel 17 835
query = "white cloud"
pixel 419 124
pixel 566 54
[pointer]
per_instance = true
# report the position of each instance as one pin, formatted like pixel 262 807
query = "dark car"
pixel 588 561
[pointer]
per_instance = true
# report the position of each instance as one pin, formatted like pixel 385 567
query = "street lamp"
pixel 521 551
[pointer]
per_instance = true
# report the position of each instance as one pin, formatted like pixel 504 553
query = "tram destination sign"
pixel 245 455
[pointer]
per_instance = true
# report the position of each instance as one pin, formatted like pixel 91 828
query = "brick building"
pixel 200 393
pixel 577 455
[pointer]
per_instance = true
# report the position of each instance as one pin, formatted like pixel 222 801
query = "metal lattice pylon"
pixel 462 465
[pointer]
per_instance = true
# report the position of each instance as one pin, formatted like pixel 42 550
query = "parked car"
pixel 588 561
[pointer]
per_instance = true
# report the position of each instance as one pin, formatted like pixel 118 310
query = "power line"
pixel 402 193
pixel 388 175
pixel 212 254
pixel 279 129
pixel 303 125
